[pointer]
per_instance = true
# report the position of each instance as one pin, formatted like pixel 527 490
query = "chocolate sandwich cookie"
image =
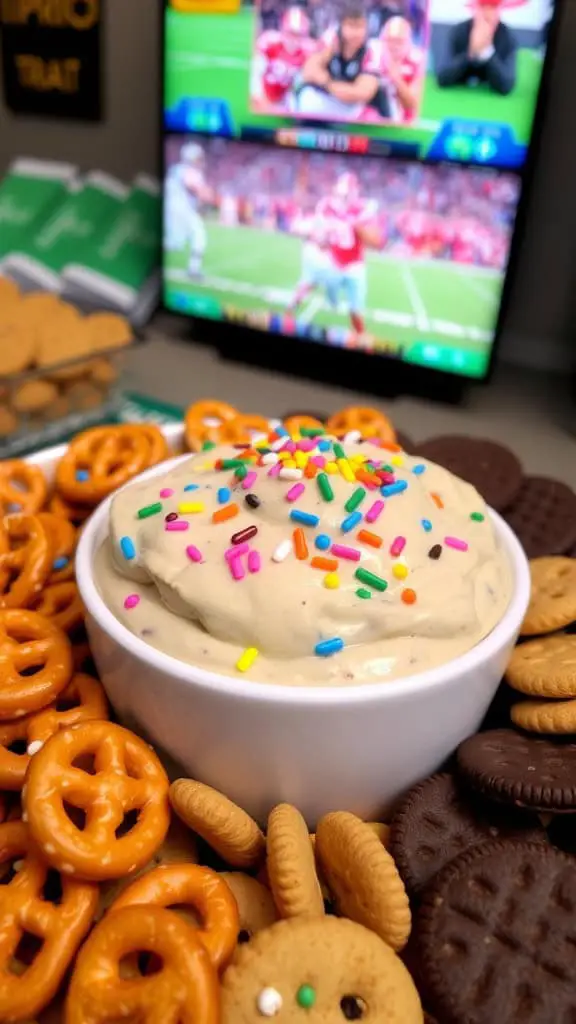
pixel 491 468
pixel 438 819
pixel 543 516
pixel 511 768
pixel 497 938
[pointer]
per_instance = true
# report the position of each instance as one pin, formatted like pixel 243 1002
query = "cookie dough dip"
pixel 305 562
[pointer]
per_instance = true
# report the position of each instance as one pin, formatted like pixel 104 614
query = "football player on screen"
pixel 346 224
pixel 342 78
pixel 186 191
pixel 280 55
pixel 401 68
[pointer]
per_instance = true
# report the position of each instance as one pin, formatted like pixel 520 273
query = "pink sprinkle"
pixel 236 568
pixel 455 542
pixel 386 478
pixel 319 461
pixel 290 446
pixel 307 444
pixel 254 561
pixel 274 470
pixel 178 526
pixel 397 546
pixel 295 492
pixel 236 552
pixel 343 552
pixel 374 440
pixel 132 601
pixel 194 554
pixel 374 511
pixel 249 479
pixel 166 492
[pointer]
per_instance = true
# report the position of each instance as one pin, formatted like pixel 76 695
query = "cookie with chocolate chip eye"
pixel 324 970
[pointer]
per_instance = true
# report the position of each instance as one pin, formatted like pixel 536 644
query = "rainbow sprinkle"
pixel 247 659
pixel 456 543
pixel 328 647
pixel 131 601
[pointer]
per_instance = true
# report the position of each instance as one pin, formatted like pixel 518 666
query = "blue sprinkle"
pixel 82 475
pixel 304 518
pixel 224 495
pixel 127 548
pixel 419 469
pixel 323 542
pixel 281 431
pixel 328 647
pixel 390 489
pixel 60 563
pixel 350 522
pixel 324 446
pixel 426 524
pixel 191 487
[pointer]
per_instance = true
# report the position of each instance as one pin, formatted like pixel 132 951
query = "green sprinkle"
pixel 477 517
pixel 388 469
pixel 364 594
pixel 325 487
pixel 231 463
pixel 338 450
pixel 241 472
pixel 355 499
pixel 149 510
pixel 312 431
pixel 208 446
pixel 370 579
pixel 306 997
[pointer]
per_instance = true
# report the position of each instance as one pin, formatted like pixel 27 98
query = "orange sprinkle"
pixel 390 447
pixel 310 470
pixel 369 538
pixel 326 564
pixel 223 514
pixel 367 478
pixel 300 545
pixel 437 499
pixel 409 596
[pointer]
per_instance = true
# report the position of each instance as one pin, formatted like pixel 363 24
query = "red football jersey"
pixel 338 223
pixel 410 67
pixel 282 63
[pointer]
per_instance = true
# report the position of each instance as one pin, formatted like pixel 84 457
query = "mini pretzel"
pixel 25 560
pixel 204 891
pixel 24 909
pixel 240 429
pixel 62 536
pixel 369 422
pixel 100 460
pixel 84 700
pixel 294 423
pixel 128 779
pixel 198 430
pixel 157 444
pixel 75 513
pixel 61 603
pixel 185 989
pixel 28 640
pixel 23 487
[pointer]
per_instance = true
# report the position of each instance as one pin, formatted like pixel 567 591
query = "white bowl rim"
pixel 245 689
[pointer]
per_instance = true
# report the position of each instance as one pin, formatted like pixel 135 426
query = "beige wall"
pixel 127 142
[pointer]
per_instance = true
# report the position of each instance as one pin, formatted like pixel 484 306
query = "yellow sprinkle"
pixel 301 459
pixel 399 571
pixel 397 460
pixel 346 470
pixel 332 580
pixel 283 456
pixel 357 459
pixel 246 660
pixel 331 467
pixel 290 464
pixel 190 506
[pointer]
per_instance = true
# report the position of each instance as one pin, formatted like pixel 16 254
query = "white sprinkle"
pixel 212 421
pixel 50 850
pixel 274 424
pixel 34 747
pixel 282 551
pixel 269 1002
pixel 270 459
pixel 278 443
pixel 256 436
pixel 67 869
pixel 352 436
pixel 290 474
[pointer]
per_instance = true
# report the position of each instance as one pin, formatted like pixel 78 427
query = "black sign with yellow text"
pixel 51 57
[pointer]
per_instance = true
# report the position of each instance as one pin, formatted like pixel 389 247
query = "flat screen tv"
pixel 349 173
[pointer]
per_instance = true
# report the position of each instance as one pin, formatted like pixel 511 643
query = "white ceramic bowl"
pixel 356 748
